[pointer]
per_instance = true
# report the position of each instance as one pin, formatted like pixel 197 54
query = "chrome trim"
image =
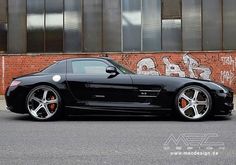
pixel 146 96
pixel 110 86
pixel 100 96
pixel 150 90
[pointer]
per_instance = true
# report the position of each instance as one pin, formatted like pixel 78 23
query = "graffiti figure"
pixel 147 66
pixel 229 60
pixel 172 69
pixel 195 69
pixel 226 76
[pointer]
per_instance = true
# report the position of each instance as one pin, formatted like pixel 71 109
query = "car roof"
pixel 87 58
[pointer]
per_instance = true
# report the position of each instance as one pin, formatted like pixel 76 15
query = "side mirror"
pixel 111 70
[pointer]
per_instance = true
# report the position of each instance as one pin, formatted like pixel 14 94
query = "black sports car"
pixel 100 85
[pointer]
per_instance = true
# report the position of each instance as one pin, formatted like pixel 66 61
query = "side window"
pixel 89 67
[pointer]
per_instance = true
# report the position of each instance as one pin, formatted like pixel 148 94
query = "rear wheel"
pixel 193 103
pixel 44 103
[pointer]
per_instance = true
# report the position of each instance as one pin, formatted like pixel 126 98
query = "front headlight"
pixel 222 88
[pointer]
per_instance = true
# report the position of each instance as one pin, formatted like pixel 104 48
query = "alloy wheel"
pixel 43 102
pixel 194 102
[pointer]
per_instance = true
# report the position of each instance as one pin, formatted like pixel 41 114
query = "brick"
pixel 218 66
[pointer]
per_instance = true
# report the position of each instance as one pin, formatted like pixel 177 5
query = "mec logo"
pixel 194 140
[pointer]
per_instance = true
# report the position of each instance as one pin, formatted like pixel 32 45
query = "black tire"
pixel 51 114
pixel 201 99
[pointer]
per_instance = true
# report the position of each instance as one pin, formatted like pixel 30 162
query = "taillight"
pixel 15 83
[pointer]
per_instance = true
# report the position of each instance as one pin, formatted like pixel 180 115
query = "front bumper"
pixel 224 103
pixel 8 108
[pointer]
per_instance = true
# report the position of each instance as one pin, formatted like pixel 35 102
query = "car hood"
pixel 170 78
pixel 174 83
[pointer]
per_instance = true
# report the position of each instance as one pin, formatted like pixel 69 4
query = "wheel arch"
pixel 193 83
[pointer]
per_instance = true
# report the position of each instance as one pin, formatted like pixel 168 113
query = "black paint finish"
pixel 124 91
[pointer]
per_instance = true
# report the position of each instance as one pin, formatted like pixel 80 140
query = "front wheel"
pixel 44 103
pixel 193 103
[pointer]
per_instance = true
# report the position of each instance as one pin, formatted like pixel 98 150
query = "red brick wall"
pixel 216 66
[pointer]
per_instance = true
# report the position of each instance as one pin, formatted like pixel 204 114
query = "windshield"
pixel 121 68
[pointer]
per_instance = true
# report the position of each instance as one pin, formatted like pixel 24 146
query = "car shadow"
pixel 137 118
pixel 121 118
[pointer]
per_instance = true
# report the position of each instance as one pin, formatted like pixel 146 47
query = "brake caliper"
pixel 183 103
pixel 52 106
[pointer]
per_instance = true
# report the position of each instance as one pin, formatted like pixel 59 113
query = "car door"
pixel 91 85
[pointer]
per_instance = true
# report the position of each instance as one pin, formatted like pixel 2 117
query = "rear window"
pixel 58 67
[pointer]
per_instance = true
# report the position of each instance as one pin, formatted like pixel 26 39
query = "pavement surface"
pixel 2 103
pixel 117 140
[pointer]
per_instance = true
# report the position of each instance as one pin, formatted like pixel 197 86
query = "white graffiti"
pixel 229 60
pixel 226 76
pixel 195 69
pixel 172 69
pixel 147 66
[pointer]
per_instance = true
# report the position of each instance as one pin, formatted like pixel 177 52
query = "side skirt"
pixel 123 110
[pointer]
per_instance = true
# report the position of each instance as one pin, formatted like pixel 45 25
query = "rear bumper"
pixel 15 99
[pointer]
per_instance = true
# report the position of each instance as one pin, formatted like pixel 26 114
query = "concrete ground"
pixel 116 141
pixel 2 103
